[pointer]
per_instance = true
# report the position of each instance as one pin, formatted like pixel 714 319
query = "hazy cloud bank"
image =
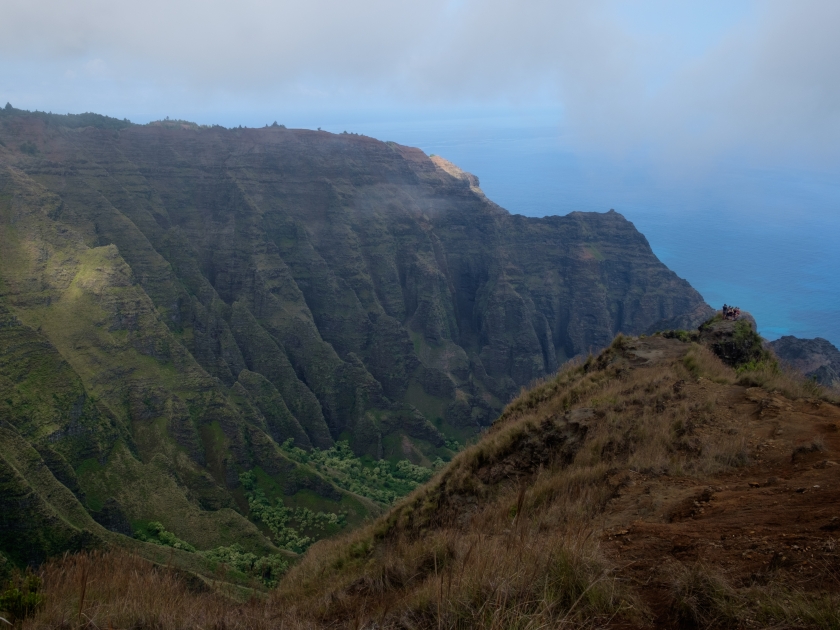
pixel 679 82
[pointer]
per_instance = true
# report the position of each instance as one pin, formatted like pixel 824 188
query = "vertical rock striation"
pixel 213 292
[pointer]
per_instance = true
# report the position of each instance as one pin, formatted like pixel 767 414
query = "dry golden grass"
pixel 115 589
pixel 700 361
pixel 505 537
pixel 470 549
pixel 703 598
pixel 517 578
pixel 787 382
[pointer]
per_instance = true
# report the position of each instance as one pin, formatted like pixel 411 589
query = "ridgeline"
pixel 221 342
pixel 651 486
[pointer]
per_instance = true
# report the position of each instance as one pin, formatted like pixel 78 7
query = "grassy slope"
pixel 527 528
pixel 90 374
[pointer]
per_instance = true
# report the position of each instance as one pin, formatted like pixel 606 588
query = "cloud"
pixel 677 82
pixel 770 85
pixel 245 44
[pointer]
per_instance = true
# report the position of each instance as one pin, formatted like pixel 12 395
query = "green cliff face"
pixel 177 302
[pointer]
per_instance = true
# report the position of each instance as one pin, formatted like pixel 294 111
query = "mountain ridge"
pixel 215 293
pixel 653 485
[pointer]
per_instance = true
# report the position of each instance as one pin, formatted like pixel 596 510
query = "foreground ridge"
pixel 650 486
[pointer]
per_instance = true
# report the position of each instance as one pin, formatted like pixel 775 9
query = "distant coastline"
pixel 764 240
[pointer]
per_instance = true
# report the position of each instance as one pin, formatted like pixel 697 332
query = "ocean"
pixel 765 240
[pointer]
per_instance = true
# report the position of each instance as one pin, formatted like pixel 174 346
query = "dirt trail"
pixel 775 518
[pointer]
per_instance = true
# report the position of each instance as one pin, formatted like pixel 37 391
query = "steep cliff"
pixel 818 358
pixel 200 301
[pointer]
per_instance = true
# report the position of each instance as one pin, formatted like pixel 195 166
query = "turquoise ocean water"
pixel 765 240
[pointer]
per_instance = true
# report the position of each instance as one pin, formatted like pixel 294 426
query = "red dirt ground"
pixel 777 518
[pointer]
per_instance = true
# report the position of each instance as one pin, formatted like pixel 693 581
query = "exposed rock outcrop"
pixel 815 358
pixel 735 342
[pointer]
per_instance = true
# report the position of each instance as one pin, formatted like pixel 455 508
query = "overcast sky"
pixel 677 79
pixel 713 124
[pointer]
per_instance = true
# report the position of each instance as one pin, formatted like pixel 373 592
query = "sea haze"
pixel 765 240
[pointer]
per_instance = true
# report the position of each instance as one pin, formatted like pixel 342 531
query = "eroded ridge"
pixel 650 486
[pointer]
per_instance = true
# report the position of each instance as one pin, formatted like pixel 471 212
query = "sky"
pixel 684 80
pixel 703 122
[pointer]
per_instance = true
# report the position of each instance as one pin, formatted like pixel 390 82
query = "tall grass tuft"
pixel 701 597
pixel 115 589
pixel 786 381
pixel 519 578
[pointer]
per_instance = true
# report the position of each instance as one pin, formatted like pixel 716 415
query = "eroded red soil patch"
pixel 777 518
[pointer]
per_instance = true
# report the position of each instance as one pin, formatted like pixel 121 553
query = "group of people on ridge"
pixel 731 312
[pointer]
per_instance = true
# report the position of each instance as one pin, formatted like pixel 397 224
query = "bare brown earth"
pixel 776 519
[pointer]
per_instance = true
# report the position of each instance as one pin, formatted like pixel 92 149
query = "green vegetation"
pixel 21 598
pixel 736 343
pixel 752 347
pixel 682 335
pixel 754 365
pixel 594 251
pixel 71 121
pixel 29 148
pixel 536 525
pixel 278 518
pixel 143 369
pixel 381 481
pixel 267 568
pixel 454 445
pixel 156 533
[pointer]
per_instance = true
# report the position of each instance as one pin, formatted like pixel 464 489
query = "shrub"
pixel 29 148
pixel 20 598
pixel 738 345
pixel 156 533
pixel 278 518
pixel 267 569
pixel 381 481
pixel 682 335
